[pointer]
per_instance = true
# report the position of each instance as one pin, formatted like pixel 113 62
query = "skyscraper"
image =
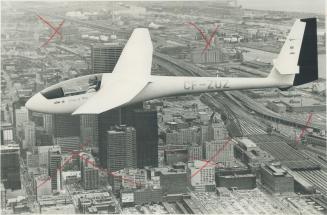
pixel 29 131
pixel 43 153
pixel 220 151
pixel 21 116
pixel 89 130
pixel 195 152
pixel 146 125
pixel 201 175
pixel 190 135
pixel 105 56
pixel 43 128
pixel 68 144
pixel 204 133
pixel 217 131
pixel 42 138
pixel 66 125
pixel 67 131
pixel 10 166
pixel 89 174
pixel 54 170
pixel 107 120
pixel 7 133
pixel 121 148
pixel 48 123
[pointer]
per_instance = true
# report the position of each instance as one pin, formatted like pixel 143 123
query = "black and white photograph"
pixel 163 107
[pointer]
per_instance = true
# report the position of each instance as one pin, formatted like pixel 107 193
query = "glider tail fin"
pixel 297 62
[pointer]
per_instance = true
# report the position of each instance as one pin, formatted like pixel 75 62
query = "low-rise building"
pixel 244 181
pixel 148 195
pixel 172 181
pixel 276 179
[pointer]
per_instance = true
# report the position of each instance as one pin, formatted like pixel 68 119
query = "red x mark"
pixel 308 122
pixel 75 154
pixel 221 149
pixel 55 30
pixel 207 41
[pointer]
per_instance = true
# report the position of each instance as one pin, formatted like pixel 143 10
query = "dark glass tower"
pixel 146 125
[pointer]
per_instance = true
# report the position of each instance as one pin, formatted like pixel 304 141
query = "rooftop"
pixel 247 142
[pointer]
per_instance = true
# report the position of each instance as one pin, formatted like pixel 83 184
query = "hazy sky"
pixel 311 6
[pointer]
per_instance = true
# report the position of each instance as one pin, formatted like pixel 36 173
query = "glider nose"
pixel 37 103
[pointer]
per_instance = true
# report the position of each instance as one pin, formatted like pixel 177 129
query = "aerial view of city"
pixel 174 107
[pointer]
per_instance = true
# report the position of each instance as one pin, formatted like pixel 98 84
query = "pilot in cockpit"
pixel 94 84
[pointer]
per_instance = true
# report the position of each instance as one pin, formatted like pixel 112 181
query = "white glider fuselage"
pixel 159 86
pixel 164 86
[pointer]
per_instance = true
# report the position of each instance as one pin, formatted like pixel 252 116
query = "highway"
pixel 266 113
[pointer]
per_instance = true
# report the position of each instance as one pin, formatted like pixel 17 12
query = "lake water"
pixel 267 57
pixel 308 6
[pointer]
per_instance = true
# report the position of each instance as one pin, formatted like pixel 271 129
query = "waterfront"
pixel 267 57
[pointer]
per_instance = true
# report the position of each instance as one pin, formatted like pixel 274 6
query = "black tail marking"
pixel 308 58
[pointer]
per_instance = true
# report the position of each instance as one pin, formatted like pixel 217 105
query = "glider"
pixel 131 80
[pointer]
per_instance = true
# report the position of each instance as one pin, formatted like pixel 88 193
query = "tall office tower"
pixel 89 130
pixel 173 156
pixel 195 152
pixel 37 118
pixel 146 125
pixel 29 133
pixel 21 116
pixel 66 125
pixel 217 131
pixel 201 175
pixel 54 170
pixel 220 151
pixel 48 123
pixel 7 133
pixel 89 174
pixel 204 133
pixel 68 144
pixel 173 138
pixel 10 166
pixel 2 114
pixel 121 148
pixel 32 160
pixel 67 131
pixel 189 135
pixel 105 56
pixel 43 152
pixel 42 138
pixel 107 120
pixel 3 195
